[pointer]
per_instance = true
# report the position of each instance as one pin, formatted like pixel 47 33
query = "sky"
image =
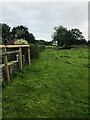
pixel 42 17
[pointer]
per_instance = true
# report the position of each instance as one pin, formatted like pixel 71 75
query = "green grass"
pixel 54 86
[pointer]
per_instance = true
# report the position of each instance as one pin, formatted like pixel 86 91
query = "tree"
pixel 31 38
pixel 18 32
pixel 78 37
pixel 21 32
pixel 68 37
pixel 5 33
pixel 62 36
pixel 41 42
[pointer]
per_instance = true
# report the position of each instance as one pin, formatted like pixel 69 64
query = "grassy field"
pixel 54 86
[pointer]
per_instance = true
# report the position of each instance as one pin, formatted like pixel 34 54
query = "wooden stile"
pixel 6 53
pixel 11 52
pixel 29 55
pixel 20 57
pixel 6 65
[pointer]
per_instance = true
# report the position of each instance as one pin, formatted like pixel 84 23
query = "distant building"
pixel 54 43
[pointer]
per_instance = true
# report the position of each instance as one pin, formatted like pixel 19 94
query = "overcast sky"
pixel 41 18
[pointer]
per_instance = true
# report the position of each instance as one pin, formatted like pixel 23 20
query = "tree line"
pixel 19 32
pixel 62 35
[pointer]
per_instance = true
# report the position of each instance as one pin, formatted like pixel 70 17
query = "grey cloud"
pixel 40 18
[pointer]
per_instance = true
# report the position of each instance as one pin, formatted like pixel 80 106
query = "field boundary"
pixel 6 53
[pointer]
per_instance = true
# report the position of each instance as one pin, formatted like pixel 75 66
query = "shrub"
pixel 41 47
pixel 34 50
pixel 21 42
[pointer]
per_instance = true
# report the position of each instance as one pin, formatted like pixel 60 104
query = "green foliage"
pixel 21 42
pixel 43 42
pixel 21 32
pixel 78 37
pixel 5 33
pixel 34 50
pixel 31 39
pixel 62 36
pixel 68 37
pixel 79 46
pixel 41 47
pixel 54 86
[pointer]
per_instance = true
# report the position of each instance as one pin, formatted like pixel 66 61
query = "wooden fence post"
pixel 29 55
pixel 20 57
pixel 6 65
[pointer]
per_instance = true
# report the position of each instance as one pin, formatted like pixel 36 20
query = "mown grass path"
pixel 54 86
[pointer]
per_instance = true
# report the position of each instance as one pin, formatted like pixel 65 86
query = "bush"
pixel 41 47
pixel 21 42
pixel 35 49
pixel 79 46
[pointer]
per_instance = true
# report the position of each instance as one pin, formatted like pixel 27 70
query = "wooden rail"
pixel 13 46
pixel 9 63
pixel 6 53
pixel 11 52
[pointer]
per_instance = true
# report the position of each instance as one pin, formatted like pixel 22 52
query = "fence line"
pixel 6 53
